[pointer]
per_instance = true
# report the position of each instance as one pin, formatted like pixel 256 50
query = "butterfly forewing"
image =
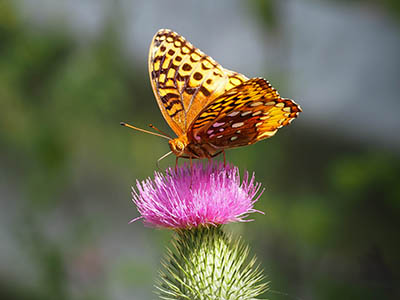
pixel 184 79
pixel 247 113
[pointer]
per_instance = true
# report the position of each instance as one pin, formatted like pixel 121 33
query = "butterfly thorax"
pixel 183 147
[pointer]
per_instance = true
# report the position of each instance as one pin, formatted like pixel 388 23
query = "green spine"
pixel 204 263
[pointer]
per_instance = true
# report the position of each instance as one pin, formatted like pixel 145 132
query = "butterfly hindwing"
pixel 184 79
pixel 243 115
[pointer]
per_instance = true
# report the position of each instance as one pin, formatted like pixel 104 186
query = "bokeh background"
pixel 70 71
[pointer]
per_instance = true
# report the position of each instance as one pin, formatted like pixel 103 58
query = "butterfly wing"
pixel 245 114
pixel 184 79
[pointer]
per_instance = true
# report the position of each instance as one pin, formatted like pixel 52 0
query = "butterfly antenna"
pixel 162 132
pixel 145 131
pixel 161 158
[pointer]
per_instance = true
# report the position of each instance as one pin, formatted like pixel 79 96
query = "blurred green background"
pixel 70 71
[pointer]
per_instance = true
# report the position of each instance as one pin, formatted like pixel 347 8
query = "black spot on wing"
pixel 165 99
pixel 172 103
pixel 176 112
pixel 205 91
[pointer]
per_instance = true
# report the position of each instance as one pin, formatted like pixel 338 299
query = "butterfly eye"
pixel 179 146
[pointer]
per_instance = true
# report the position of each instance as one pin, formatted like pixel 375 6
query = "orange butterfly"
pixel 208 107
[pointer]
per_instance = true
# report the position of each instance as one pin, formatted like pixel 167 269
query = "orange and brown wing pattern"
pixel 184 79
pixel 247 113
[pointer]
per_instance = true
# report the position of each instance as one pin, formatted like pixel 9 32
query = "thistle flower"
pixel 189 197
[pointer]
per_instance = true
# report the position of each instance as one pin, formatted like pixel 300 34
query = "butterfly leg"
pixel 191 171
pixel 223 151
pixel 176 164
pixel 191 166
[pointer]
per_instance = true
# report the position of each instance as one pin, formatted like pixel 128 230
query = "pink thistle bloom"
pixel 207 195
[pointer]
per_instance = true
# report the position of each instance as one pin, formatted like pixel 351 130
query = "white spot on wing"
pixel 234 113
pixel 266 134
pixel 216 124
pixel 234 138
pixel 236 125
pixel 256 104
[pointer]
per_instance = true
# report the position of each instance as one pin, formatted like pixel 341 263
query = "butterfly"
pixel 210 108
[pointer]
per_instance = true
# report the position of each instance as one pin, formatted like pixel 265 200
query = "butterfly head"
pixel 178 145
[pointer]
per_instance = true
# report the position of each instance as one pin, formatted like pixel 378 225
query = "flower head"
pixel 189 197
